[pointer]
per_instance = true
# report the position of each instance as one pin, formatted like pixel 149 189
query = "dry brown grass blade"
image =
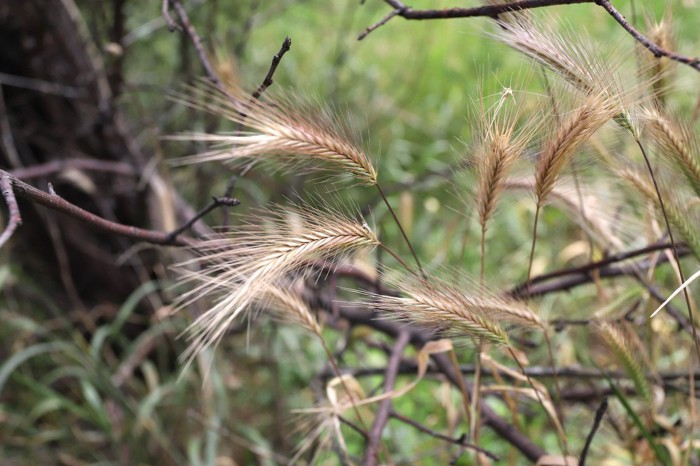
pixel 241 266
pixel 287 132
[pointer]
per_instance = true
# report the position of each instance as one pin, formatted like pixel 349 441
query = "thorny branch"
pixel 492 11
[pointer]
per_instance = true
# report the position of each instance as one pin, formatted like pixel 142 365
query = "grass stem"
pixel 403 232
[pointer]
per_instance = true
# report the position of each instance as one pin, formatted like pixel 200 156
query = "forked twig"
pixel 14 218
pixel 492 11
pixel 55 202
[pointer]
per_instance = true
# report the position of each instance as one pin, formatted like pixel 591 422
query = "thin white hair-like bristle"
pixel 454 311
pixel 286 131
pixel 242 266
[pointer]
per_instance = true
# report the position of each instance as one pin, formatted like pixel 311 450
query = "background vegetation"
pixel 89 345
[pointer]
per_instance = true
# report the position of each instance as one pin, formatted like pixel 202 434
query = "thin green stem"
pixel 674 248
pixel 562 438
pixel 403 233
pixel 555 375
pixel 338 374
pixel 398 258
pixel 532 249
pixel 474 425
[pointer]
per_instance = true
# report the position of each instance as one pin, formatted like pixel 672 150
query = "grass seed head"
pixel 287 131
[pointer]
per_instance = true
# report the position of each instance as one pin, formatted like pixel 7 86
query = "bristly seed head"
pixel 241 266
pixel 287 132
pixel 454 312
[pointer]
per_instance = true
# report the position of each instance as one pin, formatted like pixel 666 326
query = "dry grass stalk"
pixel 248 262
pixel 454 312
pixel 676 141
pixel 617 340
pixel 570 134
pixel 678 216
pixel 287 131
pixel 498 147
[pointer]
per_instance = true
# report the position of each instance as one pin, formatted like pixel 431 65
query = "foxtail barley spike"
pixel 286 132
pixel 571 133
pixel 453 312
pixel 243 265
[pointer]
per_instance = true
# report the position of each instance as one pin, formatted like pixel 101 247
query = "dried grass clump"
pixel 287 131
pixel 249 263
pixel 453 312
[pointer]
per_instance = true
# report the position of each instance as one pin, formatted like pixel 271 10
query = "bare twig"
pixel 196 40
pixel 575 276
pixel 55 166
pixel 458 441
pixel 267 82
pixel 379 24
pixel 382 415
pixel 492 11
pixel 165 9
pixel 13 219
pixel 57 203
pixel 645 41
pixel 215 202
pixel 600 412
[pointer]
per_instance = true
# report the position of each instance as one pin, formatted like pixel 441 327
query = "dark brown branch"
pixel 492 11
pixel 267 82
pixel 13 218
pixel 458 441
pixel 521 289
pixel 420 337
pixel 215 203
pixel 196 40
pixel 57 203
pixel 55 166
pixel 574 278
pixel 645 41
pixel 600 412
pixel 382 415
